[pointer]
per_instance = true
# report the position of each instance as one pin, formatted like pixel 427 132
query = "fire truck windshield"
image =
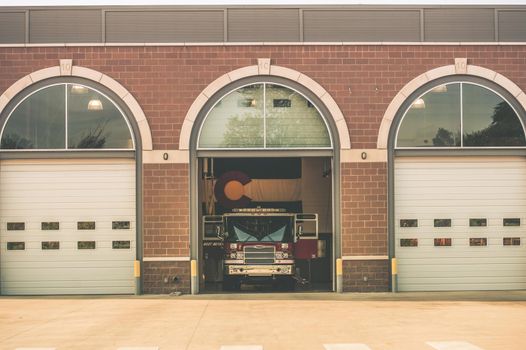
pixel 259 228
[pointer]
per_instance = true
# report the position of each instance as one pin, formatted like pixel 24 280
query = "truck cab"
pixel 260 245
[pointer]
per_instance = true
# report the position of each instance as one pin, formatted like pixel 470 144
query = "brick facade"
pixel 166 210
pixel 362 79
pixel 165 277
pixel 364 208
pixel 366 276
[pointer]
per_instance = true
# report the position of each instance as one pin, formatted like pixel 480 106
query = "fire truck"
pixel 262 245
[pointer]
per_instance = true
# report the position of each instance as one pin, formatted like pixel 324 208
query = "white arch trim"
pixel 278 71
pixel 413 85
pixel 90 74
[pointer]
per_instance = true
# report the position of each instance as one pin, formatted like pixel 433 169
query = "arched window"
pixel 264 115
pixel 66 116
pixel 460 115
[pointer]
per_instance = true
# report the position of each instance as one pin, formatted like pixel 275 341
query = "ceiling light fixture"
pixel 79 90
pixel 95 105
pixel 440 88
pixel 419 104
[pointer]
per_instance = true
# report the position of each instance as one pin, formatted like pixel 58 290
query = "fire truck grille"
pixel 259 255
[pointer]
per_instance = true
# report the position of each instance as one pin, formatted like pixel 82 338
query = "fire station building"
pixel 126 130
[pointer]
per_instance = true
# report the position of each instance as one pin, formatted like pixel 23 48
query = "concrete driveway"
pixel 268 322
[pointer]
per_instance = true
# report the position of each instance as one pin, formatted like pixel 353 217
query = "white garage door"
pixel 460 223
pixel 67 226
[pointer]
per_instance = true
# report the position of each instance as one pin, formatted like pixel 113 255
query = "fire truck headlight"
pixel 240 255
pixel 285 255
pixel 233 255
pixel 233 245
pixel 284 246
pixel 280 255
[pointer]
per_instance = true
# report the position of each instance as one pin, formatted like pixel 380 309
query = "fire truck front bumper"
pixel 260 270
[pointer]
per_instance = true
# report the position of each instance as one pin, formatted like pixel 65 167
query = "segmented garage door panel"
pixel 70 193
pixel 458 190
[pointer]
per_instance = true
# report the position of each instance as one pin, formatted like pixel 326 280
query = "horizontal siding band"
pixel 263 25
pixel 12 27
pixel 164 26
pixel 191 26
pixel 57 26
pixel 449 24
pixel 323 25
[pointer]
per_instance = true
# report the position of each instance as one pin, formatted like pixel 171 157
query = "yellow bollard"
pixel 194 282
pixel 339 275
pixel 394 275
pixel 137 275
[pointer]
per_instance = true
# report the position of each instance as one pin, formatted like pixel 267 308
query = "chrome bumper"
pixel 259 270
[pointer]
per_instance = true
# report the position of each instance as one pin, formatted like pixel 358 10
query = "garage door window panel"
pixel 264 116
pixel 50 226
pixel 433 120
pixel 85 245
pixel 38 122
pixel 408 223
pixel 16 245
pixel 478 222
pixel 460 115
pixel 291 121
pixel 66 116
pixel 86 225
pixel 511 222
pixel 120 225
pixel 236 121
pixel 121 244
pixel 442 242
pixel 511 241
pixel 50 245
pixel 488 120
pixel 16 226
pixel 95 122
pixel 478 242
pixel 442 222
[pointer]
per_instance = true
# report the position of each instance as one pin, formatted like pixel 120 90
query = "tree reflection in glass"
pixel 37 122
pixel 94 122
pixel 433 120
pixel 264 115
pixel 236 121
pixel 489 121
pixel 91 119
pixel 436 119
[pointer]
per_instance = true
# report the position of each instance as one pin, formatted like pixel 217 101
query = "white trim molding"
pixel 422 79
pixel 365 257
pixel 278 71
pixel 66 68
pixel 165 258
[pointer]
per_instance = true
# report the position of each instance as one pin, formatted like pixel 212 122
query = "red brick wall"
pixel 366 276
pixel 166 210
pixel 362 79
pixel 165 277
pixel 364 208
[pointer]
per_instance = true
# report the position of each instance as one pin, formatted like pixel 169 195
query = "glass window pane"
pixel 37 122
pixel 292 121
pixel 236 121
pixel 433 120
pixel 489 120
pixel 94 121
